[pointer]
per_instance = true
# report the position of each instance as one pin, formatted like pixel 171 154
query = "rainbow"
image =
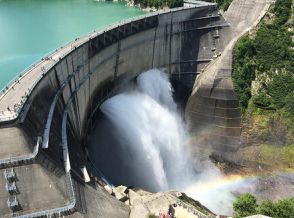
pixel 220 182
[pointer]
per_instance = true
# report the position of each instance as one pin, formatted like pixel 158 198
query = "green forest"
pixel 222 4
pixel 268 57
pixel 263 76
pixel 246 205
pixel 159 3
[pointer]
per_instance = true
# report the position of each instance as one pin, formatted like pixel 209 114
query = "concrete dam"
pixel 48 113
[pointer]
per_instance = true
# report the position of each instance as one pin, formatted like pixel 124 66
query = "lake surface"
pixel 29 29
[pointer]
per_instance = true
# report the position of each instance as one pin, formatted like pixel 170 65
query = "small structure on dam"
pixel 48 111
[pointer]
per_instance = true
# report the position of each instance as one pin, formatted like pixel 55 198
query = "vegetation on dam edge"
pixel 222 4
pixel 263 77
pixel 158 4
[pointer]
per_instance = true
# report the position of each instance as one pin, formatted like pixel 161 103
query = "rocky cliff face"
pixel 267 135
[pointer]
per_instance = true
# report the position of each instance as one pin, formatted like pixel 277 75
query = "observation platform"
pixel 13 143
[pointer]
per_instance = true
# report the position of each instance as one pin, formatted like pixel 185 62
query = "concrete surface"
pixel 10 100
pixel 88 72
pixel 145 203
pixel 13 143
pixel 213 108
pixel 182 212
pixel 39 189
pixel 100 204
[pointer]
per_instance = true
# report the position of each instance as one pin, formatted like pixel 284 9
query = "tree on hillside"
pixel 282 10
pixel 223 4
pixel 279 209
pixel 160 3
pixel 270 54
pixel 245 205
pixel 267 208
pixel 281 85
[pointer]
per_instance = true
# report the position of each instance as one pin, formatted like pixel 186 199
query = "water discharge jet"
pixel 149 145
pixel 149 127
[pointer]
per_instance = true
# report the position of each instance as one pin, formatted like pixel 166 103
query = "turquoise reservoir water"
pixel 29 29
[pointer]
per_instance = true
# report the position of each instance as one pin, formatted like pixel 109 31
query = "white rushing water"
pixel 150 128
pixel 147 120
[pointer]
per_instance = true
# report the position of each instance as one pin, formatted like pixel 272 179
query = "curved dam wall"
pixel 60 110
pixel 181 41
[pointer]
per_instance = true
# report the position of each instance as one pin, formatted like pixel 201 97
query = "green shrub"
pixel 289 103
pixel 243 70
pixel 226 4
pixel 160 3
pixel 269 53
pixel 267 208
pixel 279 209
pixel 245 205
pixel 282 11
pixel 263 101
pixel 272 46
pixel 280 86
pixel 223 4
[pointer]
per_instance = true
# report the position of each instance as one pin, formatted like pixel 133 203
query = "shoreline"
pixel 131 3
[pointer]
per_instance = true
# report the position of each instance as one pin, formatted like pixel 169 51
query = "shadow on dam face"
pixel 117 162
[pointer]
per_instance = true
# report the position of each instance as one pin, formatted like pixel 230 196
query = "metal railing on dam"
pixel 11 109
pixel 60 211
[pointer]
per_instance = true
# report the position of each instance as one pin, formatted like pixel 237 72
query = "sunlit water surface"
pixel 29 29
